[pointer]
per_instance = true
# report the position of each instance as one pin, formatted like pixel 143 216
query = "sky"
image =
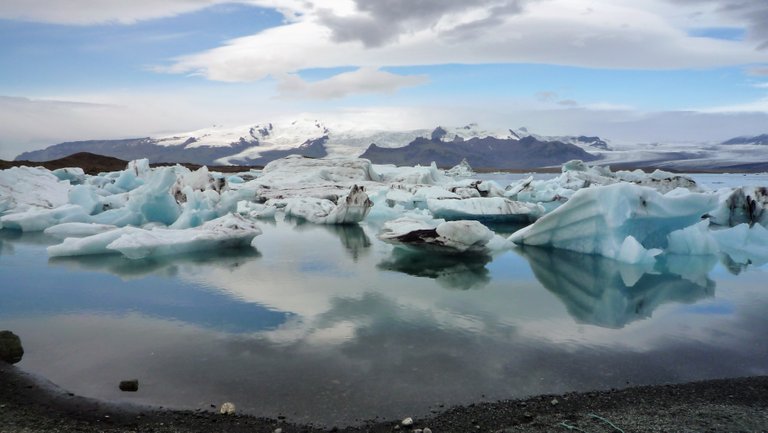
pixel 631 71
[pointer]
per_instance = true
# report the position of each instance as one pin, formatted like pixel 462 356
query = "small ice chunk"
pixel 634 253
pixel 694 240
pixel 75 175
pixel 462 169
pixel 744 244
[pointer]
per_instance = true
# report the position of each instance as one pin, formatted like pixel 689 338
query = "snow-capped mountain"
pixel 261 143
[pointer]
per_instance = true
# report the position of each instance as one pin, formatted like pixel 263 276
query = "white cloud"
pixel 85 12
pixel 363 80
pixel 589 33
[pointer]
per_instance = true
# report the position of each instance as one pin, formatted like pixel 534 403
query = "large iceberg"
pixel 601 221
pixel 24 188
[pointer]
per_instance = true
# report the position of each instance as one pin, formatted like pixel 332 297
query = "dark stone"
pixel 10 347
pixel 129 385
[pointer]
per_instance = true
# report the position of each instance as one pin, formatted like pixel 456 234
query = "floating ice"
pixel 461 169
pixel 741 205
pixel 350 209
pixel 89 245
pixel 75 175
pixel 437 235
pixel 229 231
pixel 744 244
pixel 495 209
pixel 577 175
pixel 599 220
pixel 23 188
pixel 36 220
pixel 77 230
pixel 694 240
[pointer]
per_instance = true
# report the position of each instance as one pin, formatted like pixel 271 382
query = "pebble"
pixel 278 430
pixel 554 402
pixel 407 422
pixel 129 385
pixel 426 430
pixel 227 408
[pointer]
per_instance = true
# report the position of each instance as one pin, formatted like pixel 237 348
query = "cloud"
pixel 752 13
pixel 363 80
pixel 557 32
pixel 86 12
pixel 377 22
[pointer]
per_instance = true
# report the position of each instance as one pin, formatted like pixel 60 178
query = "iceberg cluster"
pixel 628 216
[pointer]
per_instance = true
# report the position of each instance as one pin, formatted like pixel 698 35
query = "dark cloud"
pixel 754 14
pixel 378 22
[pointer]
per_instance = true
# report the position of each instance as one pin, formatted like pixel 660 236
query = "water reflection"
pixel 464 271
pixel 607 293
pixel 170 266
pixel 352 236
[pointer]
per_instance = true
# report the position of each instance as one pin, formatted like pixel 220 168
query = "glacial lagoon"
pixel 327 324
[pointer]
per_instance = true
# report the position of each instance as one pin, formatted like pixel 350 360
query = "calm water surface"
pixel 329 325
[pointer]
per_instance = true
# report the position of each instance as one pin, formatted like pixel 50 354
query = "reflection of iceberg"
pixel 611 294
pixel 353 238
pixel 450 271
pixel 159 266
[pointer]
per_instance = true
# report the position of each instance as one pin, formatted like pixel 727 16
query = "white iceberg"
pixel 599 220
pixel 462 169
pixel 576 175
pixel 37 220
pixel 437 235
pixel 744 244
pixel 137 243
pixel 495 209
pixel 350 209
pixel 24 188
pixel 695 240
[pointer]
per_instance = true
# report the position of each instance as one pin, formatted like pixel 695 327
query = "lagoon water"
pixel 331 326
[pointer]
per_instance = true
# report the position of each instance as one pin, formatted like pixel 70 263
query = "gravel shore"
pixel 28 404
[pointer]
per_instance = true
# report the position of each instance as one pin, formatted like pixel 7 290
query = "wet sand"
pixel 30 404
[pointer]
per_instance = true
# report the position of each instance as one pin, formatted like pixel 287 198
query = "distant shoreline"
pixel 31 404
pixel 93 164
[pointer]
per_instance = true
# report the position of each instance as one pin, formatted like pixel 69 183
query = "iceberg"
pixel 741 205
pixel 462 169
pixel 24 188
pixel 438 235
pixel 37 220
pixel 695 240
pixel 136 243
pixel 599 220
pixel 229 231
pixel 350 209
pixel 494 209
pixel 577 175
pixel 744 244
